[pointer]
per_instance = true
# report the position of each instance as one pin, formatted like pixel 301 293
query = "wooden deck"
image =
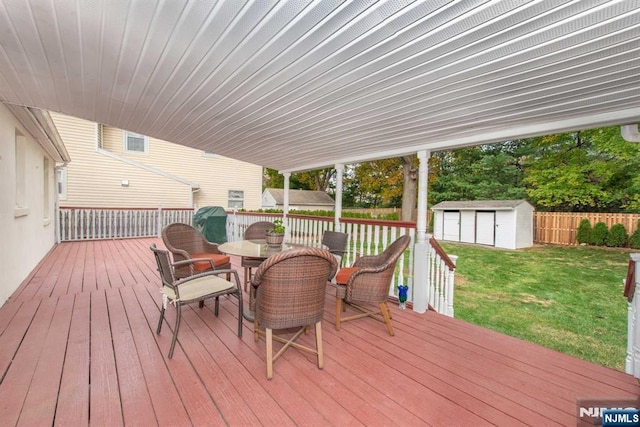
pixel 78 347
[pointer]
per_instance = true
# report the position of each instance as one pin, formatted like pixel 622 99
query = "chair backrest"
pixel 258 230
pixel 371 284
pixel 164 266
pixel 335 241
pixel 291 286
pixel 183 237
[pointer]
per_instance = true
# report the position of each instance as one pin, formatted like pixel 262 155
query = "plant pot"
pixel 274 239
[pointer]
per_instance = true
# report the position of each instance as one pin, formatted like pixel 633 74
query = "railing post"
pixel 451 279
pixel 159 233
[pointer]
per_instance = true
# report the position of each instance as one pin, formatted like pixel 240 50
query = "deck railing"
pixel 80 223
pixel 366 237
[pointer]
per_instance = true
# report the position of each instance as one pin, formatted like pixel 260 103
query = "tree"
pixel 587 171
pixel 310 180
pixel 487 172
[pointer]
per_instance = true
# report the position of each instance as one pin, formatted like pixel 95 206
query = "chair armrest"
pixel 193 261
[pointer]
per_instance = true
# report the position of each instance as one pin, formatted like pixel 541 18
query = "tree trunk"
pixel 409 193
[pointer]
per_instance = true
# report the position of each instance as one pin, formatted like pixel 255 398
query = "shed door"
pixel 451 226
pixel 486 228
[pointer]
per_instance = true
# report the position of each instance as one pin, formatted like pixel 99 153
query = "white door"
pixel 451 226
pixel 486 228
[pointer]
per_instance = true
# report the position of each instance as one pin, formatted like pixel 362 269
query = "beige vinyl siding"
pixel 215 176
pixel 95 180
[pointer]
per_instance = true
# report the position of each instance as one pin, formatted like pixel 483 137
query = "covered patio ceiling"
pixel 296 85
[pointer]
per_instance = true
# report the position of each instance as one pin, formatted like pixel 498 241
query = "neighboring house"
pixel 116 168
pixel 273 198
pixel 30 150
pixel 504 224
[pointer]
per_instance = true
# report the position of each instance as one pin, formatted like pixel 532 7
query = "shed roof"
pixel 295 85
pixel 301 197
pixel 480 205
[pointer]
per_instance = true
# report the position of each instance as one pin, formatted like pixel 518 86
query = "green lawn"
pixel 565 298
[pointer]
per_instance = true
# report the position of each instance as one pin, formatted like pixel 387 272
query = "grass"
pixel 565 298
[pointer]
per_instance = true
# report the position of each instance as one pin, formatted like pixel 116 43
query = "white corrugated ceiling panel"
pixel 300 84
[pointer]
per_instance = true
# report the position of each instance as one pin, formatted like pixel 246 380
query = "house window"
pixel 61 181
pixel 236 199
pixel 135 143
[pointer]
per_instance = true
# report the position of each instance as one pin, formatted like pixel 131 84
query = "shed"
pixel 501 223
pixel 273 198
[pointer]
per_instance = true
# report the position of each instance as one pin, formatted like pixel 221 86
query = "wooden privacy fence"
pixel 560 228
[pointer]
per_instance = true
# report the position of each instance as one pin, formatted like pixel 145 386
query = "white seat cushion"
pixel 196 288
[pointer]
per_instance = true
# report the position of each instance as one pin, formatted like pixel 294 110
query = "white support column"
pixel 421 248
pixel 285 207
pixel 338 201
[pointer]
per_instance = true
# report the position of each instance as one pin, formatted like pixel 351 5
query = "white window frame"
pixel 145 138
pixel 233 199
pixel 61 183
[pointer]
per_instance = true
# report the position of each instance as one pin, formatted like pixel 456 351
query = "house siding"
pixel 214 176
pixel 27 234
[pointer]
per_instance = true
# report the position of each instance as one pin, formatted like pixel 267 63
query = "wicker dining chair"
pixel 255 231
pixel 337 243
pixel 195 288
pixel 367 283
pixel 289 292
pixel 185 242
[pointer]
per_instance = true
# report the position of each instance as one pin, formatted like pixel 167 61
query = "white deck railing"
pixel 366 237
pixel 77 223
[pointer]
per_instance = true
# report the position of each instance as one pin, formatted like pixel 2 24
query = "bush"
pixel 634 240
pixel 617 236
pixel 584 232
pixel 599 234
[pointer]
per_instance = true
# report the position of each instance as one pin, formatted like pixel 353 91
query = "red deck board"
pixel 41 400
pixel 73 398
pixel 24 365
pixel 195 397
pixel 106 402
pixel 78 346
pixel 166 399
pixel 76 281
pixel 136 402
pixel 89 278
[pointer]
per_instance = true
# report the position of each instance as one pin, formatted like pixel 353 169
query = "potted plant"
pixel 275 236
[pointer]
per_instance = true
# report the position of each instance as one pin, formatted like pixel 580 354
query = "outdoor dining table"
pixel 257 249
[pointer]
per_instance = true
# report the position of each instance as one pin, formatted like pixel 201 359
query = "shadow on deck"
pixel 78 347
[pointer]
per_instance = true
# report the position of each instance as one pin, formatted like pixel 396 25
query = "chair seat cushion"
pixel 343 275
pixel 198 288
pixel 218 260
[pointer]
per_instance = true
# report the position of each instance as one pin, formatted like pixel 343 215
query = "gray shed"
pixel 501 223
